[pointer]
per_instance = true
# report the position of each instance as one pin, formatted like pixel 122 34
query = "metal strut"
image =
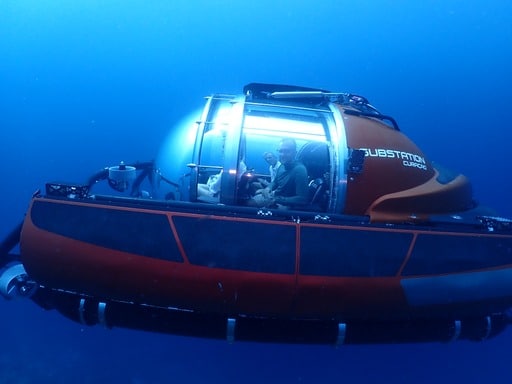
pixel 6 246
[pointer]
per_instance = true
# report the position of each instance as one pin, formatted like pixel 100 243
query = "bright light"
pixel 176 151
pixel 280 127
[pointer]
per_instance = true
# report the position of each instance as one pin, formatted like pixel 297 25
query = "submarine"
pixel 369 242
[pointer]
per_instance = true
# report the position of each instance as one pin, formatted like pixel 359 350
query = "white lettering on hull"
pixel 408 159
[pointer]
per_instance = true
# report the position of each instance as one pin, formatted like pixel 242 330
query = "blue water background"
pixel 85 84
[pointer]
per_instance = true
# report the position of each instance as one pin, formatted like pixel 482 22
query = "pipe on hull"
pixel 90 312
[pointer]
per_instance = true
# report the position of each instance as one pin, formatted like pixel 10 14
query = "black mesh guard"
pixel 67 190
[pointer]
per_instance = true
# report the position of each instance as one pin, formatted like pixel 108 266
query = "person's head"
pixel 270 158
pixel 287 150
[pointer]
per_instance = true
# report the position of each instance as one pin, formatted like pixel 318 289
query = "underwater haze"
pixel 86 84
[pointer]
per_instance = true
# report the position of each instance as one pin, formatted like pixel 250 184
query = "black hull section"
pixel 90 312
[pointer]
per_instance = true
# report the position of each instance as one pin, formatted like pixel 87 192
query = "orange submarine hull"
pixel 227 264
pixel 385 247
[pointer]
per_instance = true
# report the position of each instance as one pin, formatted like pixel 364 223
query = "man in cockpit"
pixel 273 164
pixel 289 189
